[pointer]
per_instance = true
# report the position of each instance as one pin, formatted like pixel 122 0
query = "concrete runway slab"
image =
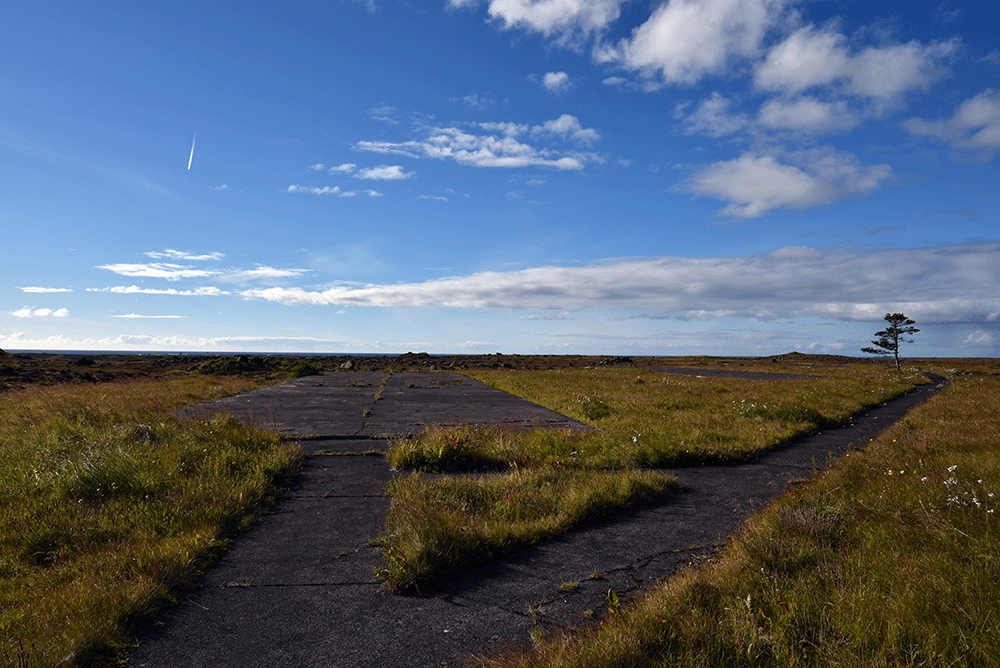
pixel 349 405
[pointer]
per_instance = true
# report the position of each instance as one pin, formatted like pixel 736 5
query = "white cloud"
pixel 155 317
pixel 819 57
pixel 480 102
pixel 979 338
pixel 712 117
pixel 569 126
pixel 183 255
pixel 325 190
pixel 556 82
pixel 807 114
pixel 755 184
pixel 435 197
pixel 345 168
pixel 684 40
pixel 19 340
pixel 45 290
pixel 975 124
pixel 564 20
pixel 956 283
pixel 500 146
pixel 262 273
pixel 40 313
pixel 136 290
pixel 384 173
pixel 171 272
pixel 384 113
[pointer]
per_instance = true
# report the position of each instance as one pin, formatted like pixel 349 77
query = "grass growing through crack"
pixel 439 526
pixel 644 420
pixel 108 503
pixel 892 558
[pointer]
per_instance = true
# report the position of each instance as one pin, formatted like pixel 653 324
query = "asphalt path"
pixel 298 587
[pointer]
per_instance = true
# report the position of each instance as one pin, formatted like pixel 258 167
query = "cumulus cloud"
pixel 566 21
pixel 40 313
pixel 684 40
pixel 384 173
pixel 956 283
pixel 345 168
pixel 498 144
pixel 814 57
pixel 44 290
pixel 556 82
pixel 974 126
pixel 754 184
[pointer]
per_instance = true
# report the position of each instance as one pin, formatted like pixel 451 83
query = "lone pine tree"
pixel 890 337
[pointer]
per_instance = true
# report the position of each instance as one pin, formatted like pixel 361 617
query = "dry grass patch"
pixel 108 503
pixel 442 525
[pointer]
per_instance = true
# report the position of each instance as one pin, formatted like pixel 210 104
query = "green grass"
pixel 108 503
pixel 891 558
pixel 646 418
pixel 643 419
pixel 440 526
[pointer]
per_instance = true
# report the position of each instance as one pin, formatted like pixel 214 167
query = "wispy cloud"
pixel 131 316
pixel 44 290
pixel 169 254
pixel 168 271
pixel 136 290
pixel 833 283
pixel 261 273
pixel 975 125
pixel 325 190
pixel 27 312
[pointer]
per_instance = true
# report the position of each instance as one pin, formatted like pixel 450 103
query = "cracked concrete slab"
pixel 298 589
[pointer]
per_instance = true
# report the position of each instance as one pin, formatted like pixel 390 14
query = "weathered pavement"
pixel 297 588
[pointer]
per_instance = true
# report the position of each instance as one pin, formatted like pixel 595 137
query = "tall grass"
pixel 108 503
pixel 439 526
pixel 892 558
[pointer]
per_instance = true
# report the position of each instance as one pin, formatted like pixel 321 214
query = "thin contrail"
pixel 192 150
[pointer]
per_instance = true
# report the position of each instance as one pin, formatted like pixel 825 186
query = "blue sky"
pixel 725 177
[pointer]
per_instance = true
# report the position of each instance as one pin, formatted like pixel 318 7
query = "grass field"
pixel 108 503
pixel 644 419
pixel 891 558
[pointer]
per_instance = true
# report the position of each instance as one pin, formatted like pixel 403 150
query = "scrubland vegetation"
pixel 108 503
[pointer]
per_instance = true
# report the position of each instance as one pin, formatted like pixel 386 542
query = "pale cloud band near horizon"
pixel 956 283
